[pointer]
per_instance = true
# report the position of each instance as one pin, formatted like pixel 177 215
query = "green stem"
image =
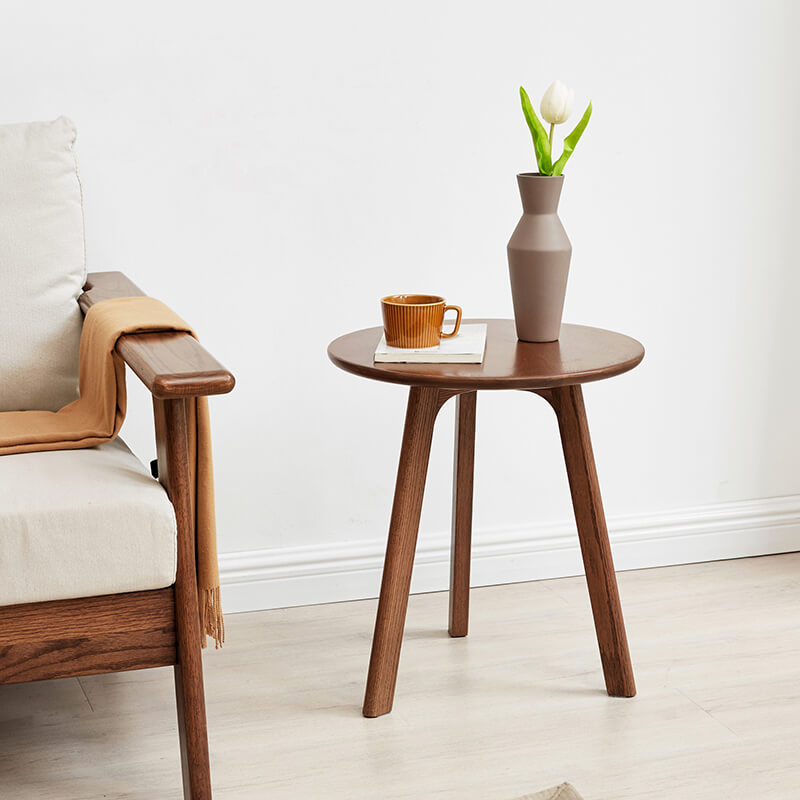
pixel 552 126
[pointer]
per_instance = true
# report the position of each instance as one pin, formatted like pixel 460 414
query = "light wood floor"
pixel 517 706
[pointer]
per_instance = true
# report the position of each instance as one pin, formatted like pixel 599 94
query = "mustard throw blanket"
pixel 97 416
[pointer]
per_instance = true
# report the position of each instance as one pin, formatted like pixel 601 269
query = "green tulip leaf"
pixel 541 143
pixel 571 140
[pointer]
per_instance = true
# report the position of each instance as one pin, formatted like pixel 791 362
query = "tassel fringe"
pixel 211 622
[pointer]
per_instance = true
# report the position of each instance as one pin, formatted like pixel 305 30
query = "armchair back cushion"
pixel 42 265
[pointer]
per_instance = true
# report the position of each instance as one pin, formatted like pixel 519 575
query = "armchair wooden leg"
pixel 568 404
pixel 423 405
pixel 172 421
pixel 192 728
pixel 463 470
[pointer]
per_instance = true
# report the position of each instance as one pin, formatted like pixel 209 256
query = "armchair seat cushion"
pixel 81 523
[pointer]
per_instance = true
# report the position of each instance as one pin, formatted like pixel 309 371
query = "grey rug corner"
pixel 564 791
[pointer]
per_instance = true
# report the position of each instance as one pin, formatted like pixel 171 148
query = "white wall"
pixel 270 170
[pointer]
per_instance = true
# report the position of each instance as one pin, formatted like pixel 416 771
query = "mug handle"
pixel 457 325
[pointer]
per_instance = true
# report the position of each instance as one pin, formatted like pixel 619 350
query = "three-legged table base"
pixel 423 406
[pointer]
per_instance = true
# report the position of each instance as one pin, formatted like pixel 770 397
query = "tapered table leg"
pixel 595 548
pixel 423 405
pixel 463 470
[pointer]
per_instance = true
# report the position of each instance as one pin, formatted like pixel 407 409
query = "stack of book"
pixel 466 347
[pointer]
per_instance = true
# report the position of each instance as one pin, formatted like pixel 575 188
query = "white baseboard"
pixel 277 578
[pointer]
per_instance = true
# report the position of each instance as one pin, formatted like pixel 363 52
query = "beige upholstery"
pixel 42 266
pixel 80 523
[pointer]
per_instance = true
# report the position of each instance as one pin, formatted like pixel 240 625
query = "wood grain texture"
pixel 423 406
pixel 593 534
pixel 582 355
pixel 86 636
pixel 170 364
pixel 175 474
pixel 106 286
pixel 461 541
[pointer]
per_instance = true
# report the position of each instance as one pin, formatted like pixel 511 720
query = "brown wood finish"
pixel 461 545
pixel 423 406
pixel 106 286
pixel 87 636
pixel 172 419
pixel 170 364
pixel 581 355
pixel 553 370
pixel 598 563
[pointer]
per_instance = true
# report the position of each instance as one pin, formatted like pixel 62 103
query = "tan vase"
pixel 538 260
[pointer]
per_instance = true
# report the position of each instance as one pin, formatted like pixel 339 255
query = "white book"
pixel 467 347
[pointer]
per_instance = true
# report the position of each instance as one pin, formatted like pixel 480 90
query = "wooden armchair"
pixel 97 561
pixel 139 629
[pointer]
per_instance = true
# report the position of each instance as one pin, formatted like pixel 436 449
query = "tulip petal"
pixel 541 143
pixel 571 140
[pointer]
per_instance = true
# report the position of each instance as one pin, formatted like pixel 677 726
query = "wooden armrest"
pixel 170 364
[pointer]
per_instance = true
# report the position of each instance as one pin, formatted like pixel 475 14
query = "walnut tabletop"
pixel 581 355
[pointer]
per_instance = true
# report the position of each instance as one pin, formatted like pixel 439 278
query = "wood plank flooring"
pixel 516 706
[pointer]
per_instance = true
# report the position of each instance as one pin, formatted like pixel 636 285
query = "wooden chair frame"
pixel 136 630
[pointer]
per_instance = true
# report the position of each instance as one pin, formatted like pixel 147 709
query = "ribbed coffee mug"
pixel 415 320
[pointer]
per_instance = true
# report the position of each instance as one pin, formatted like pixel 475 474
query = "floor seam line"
pixel 83 689
pixel 708 713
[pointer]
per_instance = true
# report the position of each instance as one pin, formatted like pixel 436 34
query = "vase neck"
pixel 539 193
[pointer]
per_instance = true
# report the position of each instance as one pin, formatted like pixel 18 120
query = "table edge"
pixel 449 382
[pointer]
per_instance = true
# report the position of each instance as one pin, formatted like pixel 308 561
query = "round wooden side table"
pixel 553 370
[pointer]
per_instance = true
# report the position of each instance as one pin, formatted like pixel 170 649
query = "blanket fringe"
pixel 211 622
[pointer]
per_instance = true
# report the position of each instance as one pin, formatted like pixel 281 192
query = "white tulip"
pixel 557 103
